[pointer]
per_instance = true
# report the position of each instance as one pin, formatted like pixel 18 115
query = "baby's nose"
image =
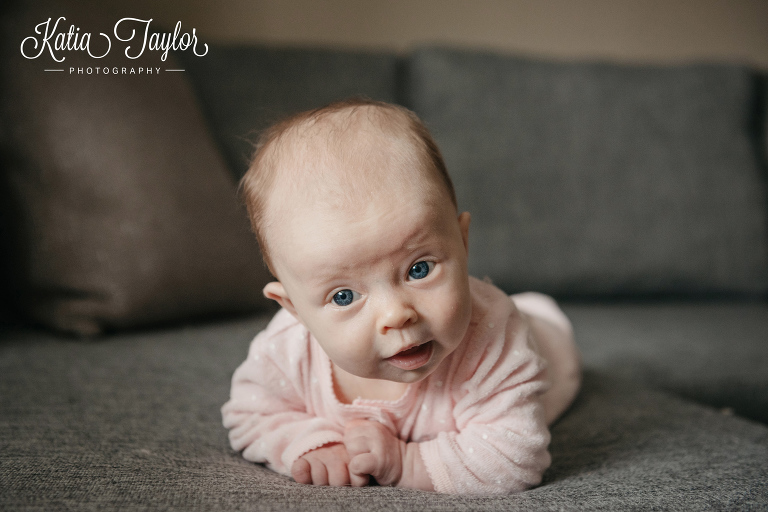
pixel 396 313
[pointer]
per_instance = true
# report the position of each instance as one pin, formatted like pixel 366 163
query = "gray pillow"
pixel 120 211
pixel 597 179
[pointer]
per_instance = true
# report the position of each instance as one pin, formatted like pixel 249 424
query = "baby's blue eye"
pixel 344 297
pixel 420 269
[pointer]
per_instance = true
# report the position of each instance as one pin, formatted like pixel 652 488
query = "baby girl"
pixel 387 361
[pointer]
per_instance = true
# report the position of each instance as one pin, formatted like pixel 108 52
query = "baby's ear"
pixel 276 291
pixel 464 220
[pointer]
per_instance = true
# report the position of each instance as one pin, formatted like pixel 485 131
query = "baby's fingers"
pixel 338 474
pixel 363 464
pixel 310 473
pixel 301 471
pixel 358 480
pixel 319 474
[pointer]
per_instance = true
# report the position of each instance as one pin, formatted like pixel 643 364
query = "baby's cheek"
pixel 457 311
pixel 357 361
pixel 352 352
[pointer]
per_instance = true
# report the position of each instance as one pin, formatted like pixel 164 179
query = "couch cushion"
pixel 716 353
pixel 246 88
pixel 597 179
pixel 135 424
pixel 121 209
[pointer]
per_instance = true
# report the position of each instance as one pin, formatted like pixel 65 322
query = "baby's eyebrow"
pixel 416 239
pixel 321 278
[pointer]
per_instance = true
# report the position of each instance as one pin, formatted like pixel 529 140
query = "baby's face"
pixel 383 288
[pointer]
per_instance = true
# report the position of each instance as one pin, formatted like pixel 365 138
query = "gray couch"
pixel 635 195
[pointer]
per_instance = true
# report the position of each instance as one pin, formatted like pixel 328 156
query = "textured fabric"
pixel 133 423
pixel 599 179
pixel 714 353
pixel 477 418
pixel 120 210
pixel 246 88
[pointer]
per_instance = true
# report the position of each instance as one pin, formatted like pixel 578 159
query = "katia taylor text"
pixel 135 33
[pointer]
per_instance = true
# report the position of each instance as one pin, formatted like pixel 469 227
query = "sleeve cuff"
pixel 436 469
pixel 309 443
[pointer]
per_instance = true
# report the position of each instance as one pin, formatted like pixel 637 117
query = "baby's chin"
pixel 387 372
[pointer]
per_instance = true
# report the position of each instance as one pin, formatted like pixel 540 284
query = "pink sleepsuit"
pixel 480 418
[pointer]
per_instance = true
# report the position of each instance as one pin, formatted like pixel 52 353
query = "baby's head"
pixel 356 218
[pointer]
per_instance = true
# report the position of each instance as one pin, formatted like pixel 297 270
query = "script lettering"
pixel 71 40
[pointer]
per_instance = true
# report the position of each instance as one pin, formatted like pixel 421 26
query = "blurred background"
pixel 656 31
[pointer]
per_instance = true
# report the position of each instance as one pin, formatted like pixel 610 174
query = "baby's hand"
pixel 373 450
pixel 326 465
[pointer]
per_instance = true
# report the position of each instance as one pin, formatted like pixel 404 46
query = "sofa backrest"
pixel 601 180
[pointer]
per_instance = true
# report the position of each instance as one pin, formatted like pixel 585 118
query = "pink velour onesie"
pixel 480 418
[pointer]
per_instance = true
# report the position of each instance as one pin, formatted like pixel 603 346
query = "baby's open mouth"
pixel 412 358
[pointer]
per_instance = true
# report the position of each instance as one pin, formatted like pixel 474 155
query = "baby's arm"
pixel 499 444
pixel 501 437
pixel 267 413
pixel 491 452
pixel 269 425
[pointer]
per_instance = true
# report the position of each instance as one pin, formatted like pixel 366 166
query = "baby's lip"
pixel 412 357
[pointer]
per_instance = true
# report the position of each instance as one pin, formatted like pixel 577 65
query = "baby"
pixel 387 361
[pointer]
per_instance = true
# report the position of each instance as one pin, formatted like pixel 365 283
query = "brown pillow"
pixel 121 210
